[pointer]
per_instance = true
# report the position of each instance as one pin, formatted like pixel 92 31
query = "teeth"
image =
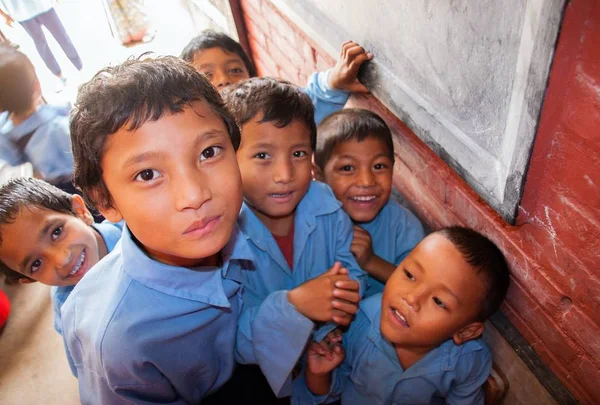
pixel 364 198
pixel 280 195
pixel 400 316
pixel 79 263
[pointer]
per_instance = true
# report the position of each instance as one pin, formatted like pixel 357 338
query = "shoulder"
pixel 319 200
pixel 468 361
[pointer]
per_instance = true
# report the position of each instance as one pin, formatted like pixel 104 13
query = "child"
pixel 355 157
pixel 224 62
pixel 31 131
pixel 155 320
pixel 295 227
pixel 418 342
pixel 66 243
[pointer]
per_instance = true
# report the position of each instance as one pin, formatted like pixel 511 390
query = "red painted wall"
pixel 554 249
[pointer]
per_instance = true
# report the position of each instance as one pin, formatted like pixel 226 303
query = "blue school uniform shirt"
pixel 141 331
pixel 372 374
pixel 271 332
pixel 49 147
pixel 325 99
pixel 395 231
pixel 111 233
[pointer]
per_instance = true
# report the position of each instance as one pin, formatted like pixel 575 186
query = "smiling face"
pixel 220 67
pixel 51 247
pixel 360 175
pixel 276 170
pixel 433 295
pixel 176 183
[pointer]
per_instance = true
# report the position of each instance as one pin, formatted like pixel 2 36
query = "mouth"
pixel 282 198
pixel 363 200
pixel 399 318
pixel 79 267
pixel 203 227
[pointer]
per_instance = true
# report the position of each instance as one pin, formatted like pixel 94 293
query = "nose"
pixel 283 171
pixel 190 190
pixel 365 178
pixel 221 79
pixel 413 299
pixel 60 256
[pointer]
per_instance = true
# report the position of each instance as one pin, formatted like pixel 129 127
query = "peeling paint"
pixel 548 227
pixel 589 180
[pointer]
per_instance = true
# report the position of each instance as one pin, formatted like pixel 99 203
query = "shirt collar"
pixel 110 232
pixel 204 284
pixel 312 205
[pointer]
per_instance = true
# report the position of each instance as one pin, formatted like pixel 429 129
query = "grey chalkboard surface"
pixel 467 76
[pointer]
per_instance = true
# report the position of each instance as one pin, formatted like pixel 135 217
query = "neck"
pixel 278 226
pixel 407 356
pixel 102 249
pixel 18 118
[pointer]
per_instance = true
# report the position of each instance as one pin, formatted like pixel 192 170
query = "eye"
pixel 210 153
pixel 299 153
pixel 35 266
pixel 262 155
pixel 409 275
pixel 56 232
pixel 379 166
pixel 439 303
pixel 148 175
pixel 347 168
pixel 237 71
pixel 208 75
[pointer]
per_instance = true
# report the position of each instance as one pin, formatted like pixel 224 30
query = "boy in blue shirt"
pixel 355 157
pixel 417 343
pixel 49 236
pixel 155 320
pixel 223 61
pixel 30 130
pixel 296 229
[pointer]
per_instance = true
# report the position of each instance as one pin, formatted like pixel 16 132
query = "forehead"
pixel 267 134
pixel 215 56
pixel 445 266
pixel 368 148
pixel 170 130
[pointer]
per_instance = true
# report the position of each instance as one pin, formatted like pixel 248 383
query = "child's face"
pixel 360 175
pixel 276 168
pixel 432 296
pixel 176 183
pixel 220 67
pixel 51 247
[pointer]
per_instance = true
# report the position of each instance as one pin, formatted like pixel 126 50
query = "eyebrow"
pixel 49 225
pixel 202 137
pixel 228 61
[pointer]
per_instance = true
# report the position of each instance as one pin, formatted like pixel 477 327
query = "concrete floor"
pixel 34 368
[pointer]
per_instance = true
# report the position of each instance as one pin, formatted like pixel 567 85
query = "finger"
pixel 346 295
pixel 342 318
pixel 334 270
pixel 344 306
pixel 316 348
pixel 345 46
pixel 338 349
pixel 354 51
pixel 350 285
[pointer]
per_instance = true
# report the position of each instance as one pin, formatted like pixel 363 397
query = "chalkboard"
pixel 467 76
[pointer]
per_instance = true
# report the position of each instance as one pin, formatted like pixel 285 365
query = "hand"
pixel 322 357
pixel 8 19
pixel 362 247
pixel 343 76
pixel 330 297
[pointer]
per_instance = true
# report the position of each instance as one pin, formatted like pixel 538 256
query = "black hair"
pixel 271 100
pixel 213 39
pixel 25 193
pixel 489 262
pixel 350 124
pixel 17 80
pixel 131 94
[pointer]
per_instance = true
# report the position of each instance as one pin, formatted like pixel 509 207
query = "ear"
pixel 26 280
pixel 80 210
pixel 468 332
pixel 316 172
pixel 111 213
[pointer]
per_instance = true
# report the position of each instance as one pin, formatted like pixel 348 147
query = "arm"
pixel 472 372
pixel 344 237
pixel 329 90
pixel 362 249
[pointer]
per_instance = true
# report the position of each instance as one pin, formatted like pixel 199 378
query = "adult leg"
pixel 51 21
pixel 34 29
